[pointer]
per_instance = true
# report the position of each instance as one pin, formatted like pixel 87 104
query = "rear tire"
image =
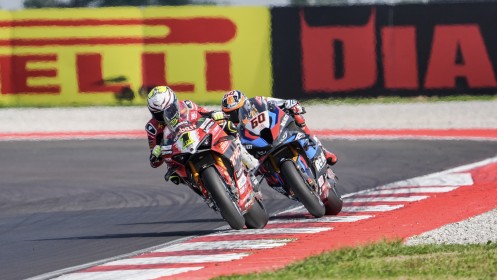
pixel 333 203
pixel 229 209
pixel 292 178
pixel 257 216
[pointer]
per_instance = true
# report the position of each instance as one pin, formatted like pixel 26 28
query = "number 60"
pixel 257 120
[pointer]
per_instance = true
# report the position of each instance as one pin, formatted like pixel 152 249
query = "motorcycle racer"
pixel 233 100
pixel 168 113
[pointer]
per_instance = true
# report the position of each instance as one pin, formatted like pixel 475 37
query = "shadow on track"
pixel 177 222
pixel 135 235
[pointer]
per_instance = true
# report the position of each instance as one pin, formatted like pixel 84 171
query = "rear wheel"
pixel 308 198
pixel 256 217
pixel 229 209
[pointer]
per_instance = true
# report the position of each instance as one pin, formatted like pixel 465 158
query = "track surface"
pixel 65 203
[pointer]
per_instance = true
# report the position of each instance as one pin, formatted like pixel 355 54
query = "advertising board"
pixel 368 51
pixel 111 55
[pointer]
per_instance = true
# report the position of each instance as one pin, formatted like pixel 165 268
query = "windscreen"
pixel 252 108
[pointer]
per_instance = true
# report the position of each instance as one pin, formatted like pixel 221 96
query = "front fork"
pixel 229 181
pixel 304 173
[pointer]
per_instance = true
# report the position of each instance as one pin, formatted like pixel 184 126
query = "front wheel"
pixel 333 203
pixel 256 217
pixel 228 207
pixel 308 198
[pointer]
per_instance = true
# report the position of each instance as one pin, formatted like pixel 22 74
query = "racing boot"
pixel 172 176
pixel 251 163
pixel 247 159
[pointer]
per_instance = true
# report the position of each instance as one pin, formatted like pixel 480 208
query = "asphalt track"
pixel 66 203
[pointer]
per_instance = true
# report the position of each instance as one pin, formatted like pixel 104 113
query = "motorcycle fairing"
pixel 283 132
pixel 203 145
pixel 261 124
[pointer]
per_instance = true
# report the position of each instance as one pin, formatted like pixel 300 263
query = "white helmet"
pixel 160 98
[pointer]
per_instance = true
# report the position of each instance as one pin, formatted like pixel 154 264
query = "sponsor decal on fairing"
pixel 284 120
pixel 320 161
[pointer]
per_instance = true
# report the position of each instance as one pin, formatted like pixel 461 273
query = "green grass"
pixel 393 260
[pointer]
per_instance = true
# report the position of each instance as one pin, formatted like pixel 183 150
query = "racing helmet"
pixel 158 99
pixel 231 103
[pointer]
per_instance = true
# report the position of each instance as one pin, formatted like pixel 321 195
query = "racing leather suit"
pixel 190 113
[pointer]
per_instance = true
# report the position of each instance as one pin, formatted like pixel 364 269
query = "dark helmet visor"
pixel 171 114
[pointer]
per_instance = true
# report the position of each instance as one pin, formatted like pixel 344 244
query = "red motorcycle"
pixel 209 162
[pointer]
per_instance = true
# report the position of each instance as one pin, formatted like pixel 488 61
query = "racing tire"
pixel 256 217
pixel 309 199
pixel 228 208
pixel 333 203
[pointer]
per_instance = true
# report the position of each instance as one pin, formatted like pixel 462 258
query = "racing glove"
pixel 294 107
pixel 217 116
pixel 231 129
pixel 156 151
pixel 155 156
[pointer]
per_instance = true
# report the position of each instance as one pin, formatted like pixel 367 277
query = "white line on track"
pixel 179 259
pixel 272 231
pixel 410 190
pixel 374 208
pixel 386 198
pixel 436 180
pixel 135 274
pixel 297 209
pixel 239 244
pixel 326 219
